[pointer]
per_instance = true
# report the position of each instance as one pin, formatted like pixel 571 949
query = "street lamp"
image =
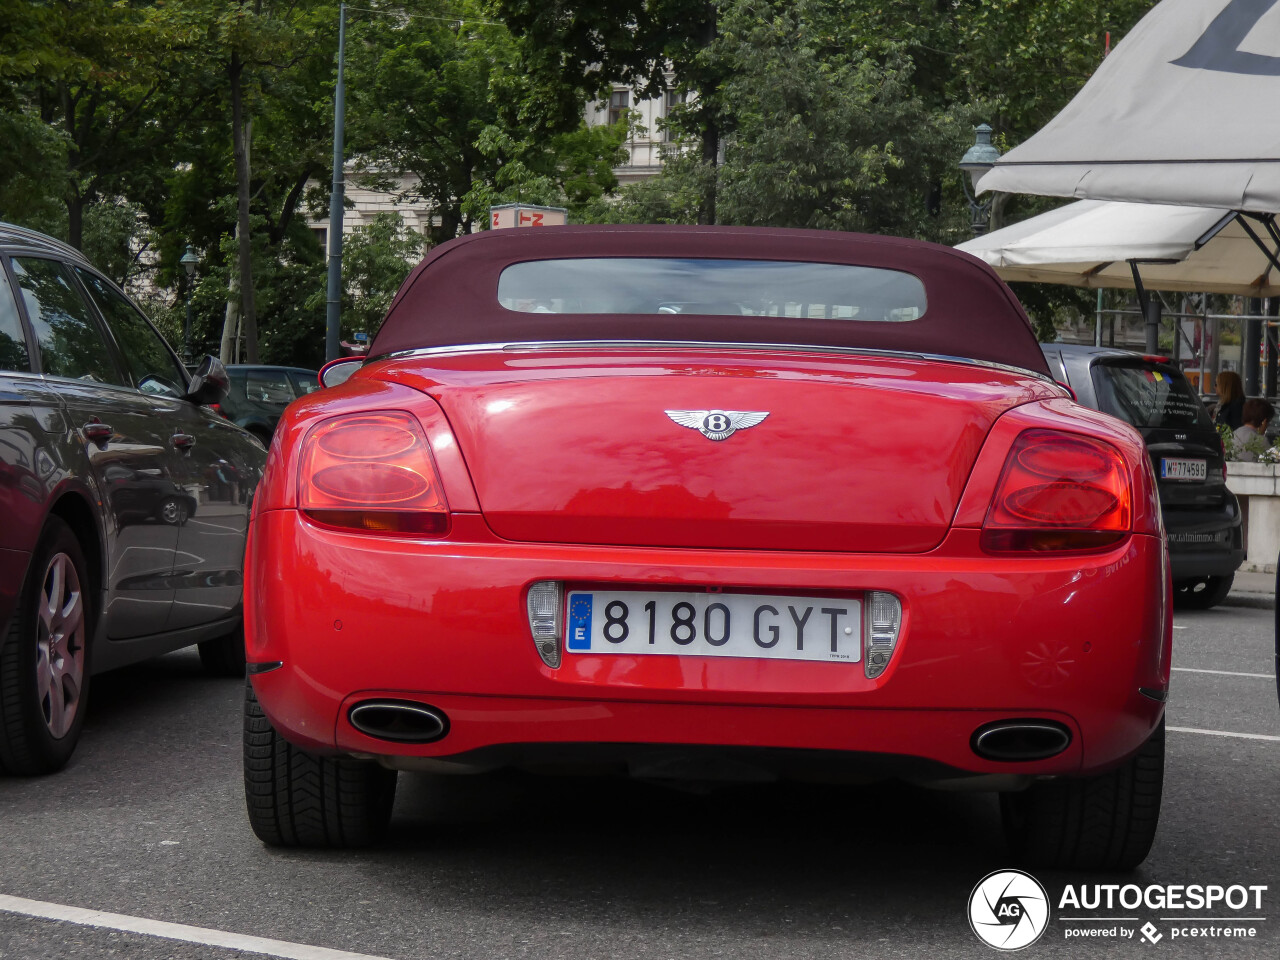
pixel 977 160
pixel 333 305
pixel 188 261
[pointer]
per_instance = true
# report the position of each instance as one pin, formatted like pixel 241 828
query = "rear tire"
pixel 296 799
pixel 224 656
pixel 1202 594
pixel 1106 822
pixel 44 657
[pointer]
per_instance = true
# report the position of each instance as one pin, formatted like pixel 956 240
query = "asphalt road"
pixel 148 822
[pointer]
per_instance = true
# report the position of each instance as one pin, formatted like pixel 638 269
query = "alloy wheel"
pixel 60 641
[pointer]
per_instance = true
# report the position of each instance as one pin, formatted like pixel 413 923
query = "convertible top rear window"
pixel 649 283
pixel 705 286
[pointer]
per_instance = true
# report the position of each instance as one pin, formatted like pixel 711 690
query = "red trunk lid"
pixel 856 454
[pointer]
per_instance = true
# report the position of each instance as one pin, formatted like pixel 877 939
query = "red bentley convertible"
pixel 708 503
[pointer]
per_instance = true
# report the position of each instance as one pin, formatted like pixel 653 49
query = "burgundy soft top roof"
pixel 451 298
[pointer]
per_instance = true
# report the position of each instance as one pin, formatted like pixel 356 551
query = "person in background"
pixel 1257 414
pixel 1230 408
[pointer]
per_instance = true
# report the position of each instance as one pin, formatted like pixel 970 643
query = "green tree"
pixel 375 262
pixel 826 134
pixel 445 102
pixel 574 51
pixel 273 56
pixel 92 74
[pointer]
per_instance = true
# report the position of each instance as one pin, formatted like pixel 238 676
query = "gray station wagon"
pixel 124 500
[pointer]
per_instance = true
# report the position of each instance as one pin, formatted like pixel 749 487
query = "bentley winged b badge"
pixel 717 424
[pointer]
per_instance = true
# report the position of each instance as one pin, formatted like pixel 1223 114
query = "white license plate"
pixel 714 625
pixel 1184 469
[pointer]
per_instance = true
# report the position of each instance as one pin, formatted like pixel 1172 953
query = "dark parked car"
pixel 258 395
pixel 1201 516
pixel 124 499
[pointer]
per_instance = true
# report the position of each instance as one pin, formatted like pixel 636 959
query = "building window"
pixel 618 103
pixel 322 237
pixel 670 100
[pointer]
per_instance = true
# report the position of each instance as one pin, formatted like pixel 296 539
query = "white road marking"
pixel 1226 733
pixel 175 931
pixel 1228 673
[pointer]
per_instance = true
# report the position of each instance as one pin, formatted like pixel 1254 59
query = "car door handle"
pixel 183 441
pixel 97 431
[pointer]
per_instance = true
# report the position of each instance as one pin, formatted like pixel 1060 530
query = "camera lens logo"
pixel 1008 910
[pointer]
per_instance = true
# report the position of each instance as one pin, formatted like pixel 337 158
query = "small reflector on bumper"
pixel 545 622
pixel 884 620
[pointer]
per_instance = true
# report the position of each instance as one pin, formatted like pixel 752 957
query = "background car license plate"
pixel 1171 469
pixel 714 625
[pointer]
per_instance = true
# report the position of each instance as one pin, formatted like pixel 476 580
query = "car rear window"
pixel 717 287
pixel 1148 394
pixel 268 386
pixel 304 383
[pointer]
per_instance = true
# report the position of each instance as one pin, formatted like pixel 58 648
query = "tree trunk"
pixel 710 164
pixel 241 132
pixel 74 198
pixel 229 323
pixel 75 221
pixel 710 130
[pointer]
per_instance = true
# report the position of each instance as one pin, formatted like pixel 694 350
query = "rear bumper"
pixel 1068 639
pixel 1189 564
pixel 1205 543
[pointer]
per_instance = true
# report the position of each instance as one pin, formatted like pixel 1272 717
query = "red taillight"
pixel 1059 491
pixel 372 472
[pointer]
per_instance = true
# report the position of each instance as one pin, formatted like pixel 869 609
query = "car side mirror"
pixel 339 371
pixel 209 384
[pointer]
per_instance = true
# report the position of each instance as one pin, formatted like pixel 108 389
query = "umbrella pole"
pixel 1097 326
pixel 1150 310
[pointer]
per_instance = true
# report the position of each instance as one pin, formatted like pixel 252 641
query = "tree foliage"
pixel 376 262
pixel 825 133
pixel 446 102
pixel 120 121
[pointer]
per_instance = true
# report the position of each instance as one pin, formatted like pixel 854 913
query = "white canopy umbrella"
pixel 1096 244
pixel 1183 111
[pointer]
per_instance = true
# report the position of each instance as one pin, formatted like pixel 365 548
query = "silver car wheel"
pixel 60 641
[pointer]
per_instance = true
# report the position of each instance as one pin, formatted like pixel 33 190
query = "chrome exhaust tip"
pixel 1012 741
pixel 401 721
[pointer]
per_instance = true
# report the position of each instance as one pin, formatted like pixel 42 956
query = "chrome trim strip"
pixel 536 345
